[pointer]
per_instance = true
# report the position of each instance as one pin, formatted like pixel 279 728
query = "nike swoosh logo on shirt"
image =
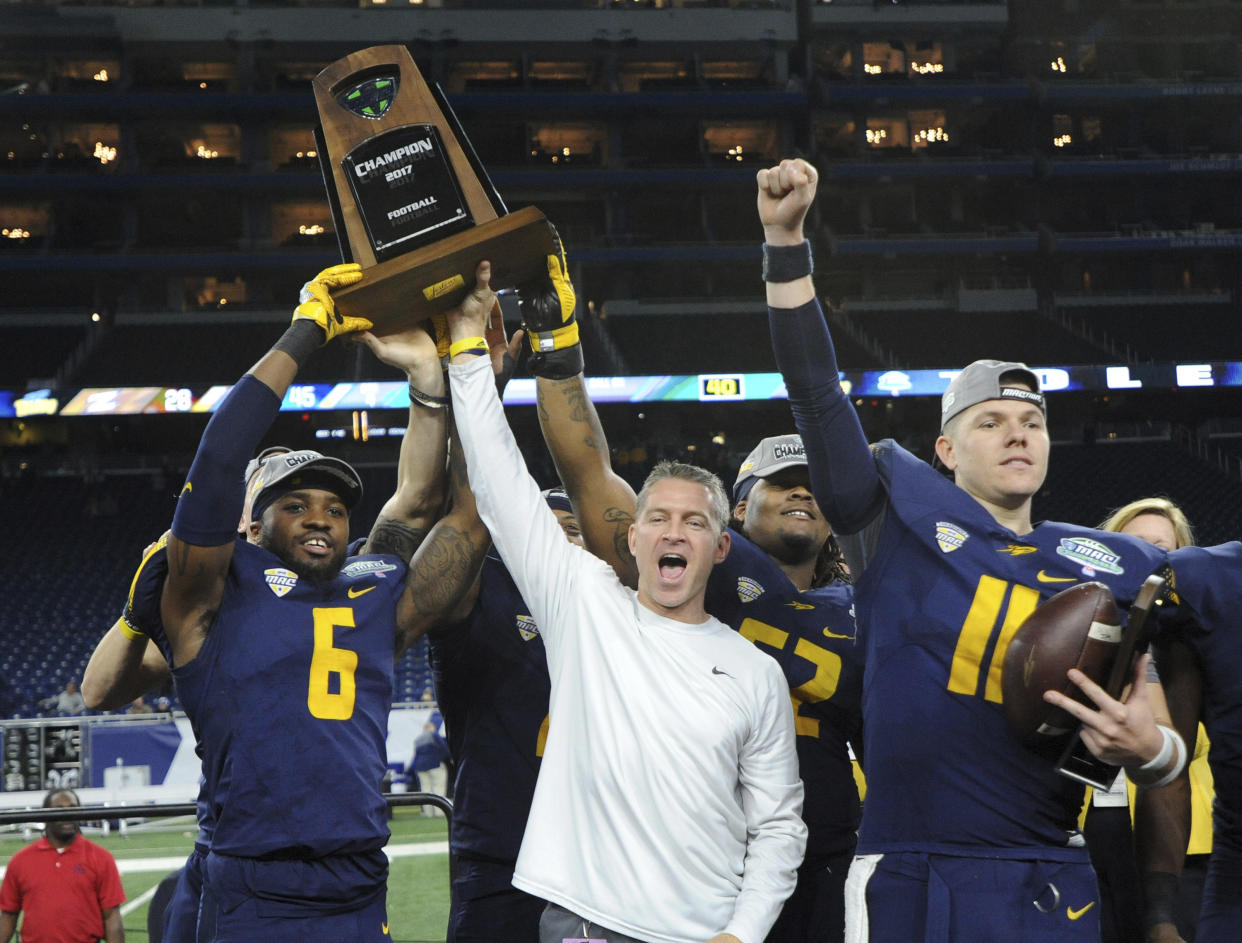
pixel 1075 914
pixel 354 594
pixel 1043 577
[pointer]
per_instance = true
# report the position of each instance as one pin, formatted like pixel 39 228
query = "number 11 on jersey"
pixel 993 597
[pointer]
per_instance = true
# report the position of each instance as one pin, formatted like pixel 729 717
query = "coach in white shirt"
pixel 667 806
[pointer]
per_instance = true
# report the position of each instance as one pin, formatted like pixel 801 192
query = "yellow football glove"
pixel 548 314
pixel 316 304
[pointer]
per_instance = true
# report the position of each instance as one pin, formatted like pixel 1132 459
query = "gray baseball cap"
pixel 261 459
pixel 305 468
pixel 981 381
pixel 771 455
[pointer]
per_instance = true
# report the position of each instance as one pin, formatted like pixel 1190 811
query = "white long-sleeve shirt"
pixel 668 801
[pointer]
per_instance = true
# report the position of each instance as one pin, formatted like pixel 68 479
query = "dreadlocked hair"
pixel 830 565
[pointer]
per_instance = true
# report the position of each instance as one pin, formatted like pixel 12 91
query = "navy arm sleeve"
pixel 844 478
pixel 211 500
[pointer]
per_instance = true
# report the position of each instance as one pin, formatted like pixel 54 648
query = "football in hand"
pixel 1077 628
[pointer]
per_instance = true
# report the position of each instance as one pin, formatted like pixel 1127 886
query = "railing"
pixel 1204 450
pixel 1083 329
pixel 853 330
pixel 96 813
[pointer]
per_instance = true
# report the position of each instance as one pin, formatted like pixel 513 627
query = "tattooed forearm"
pixel 569 422
pixel 572 393
pixel 611 542
pixel 576 400
pixel 440 578
pixel 444 570
pixel 392 536
pixel 621 519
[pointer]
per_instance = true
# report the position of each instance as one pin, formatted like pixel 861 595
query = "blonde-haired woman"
pixel 1157 520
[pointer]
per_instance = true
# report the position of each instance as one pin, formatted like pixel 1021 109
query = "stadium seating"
pixel 917 339
pixel 1085 482
pixel 36 352
pixel 1170 332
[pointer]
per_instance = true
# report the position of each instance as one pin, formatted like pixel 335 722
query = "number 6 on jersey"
pixel 326 661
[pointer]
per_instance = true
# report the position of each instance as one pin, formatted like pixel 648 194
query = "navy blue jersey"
pixel 937 608
pixel 1209 583
pixel 812 636
pixel 491 680
pixel 289 697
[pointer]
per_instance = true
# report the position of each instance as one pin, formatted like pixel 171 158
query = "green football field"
pixel 418 882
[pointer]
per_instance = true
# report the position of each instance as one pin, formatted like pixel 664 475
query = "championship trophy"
pixel 411 201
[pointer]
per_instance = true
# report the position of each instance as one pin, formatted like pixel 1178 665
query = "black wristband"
pixel 1160 893
pixel 556 364
pixel 427 399
pixel 787 263
pixel 302 339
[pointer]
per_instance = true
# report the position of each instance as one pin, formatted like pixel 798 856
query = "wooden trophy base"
pixel 412 287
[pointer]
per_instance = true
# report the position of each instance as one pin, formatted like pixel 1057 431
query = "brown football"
pixel 1078 628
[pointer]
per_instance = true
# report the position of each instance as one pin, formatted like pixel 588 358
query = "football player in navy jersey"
pixel 283 648
pixel 125 661
pixel 781 586
pixel 1199 652
pixel 966 833
pixel 491 680
pixel 805 620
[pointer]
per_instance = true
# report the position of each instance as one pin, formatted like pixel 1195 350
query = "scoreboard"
pixel 42 754
pixel 670 388
pixel 131 400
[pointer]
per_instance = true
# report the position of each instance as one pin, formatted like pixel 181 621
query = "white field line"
pixel 131 905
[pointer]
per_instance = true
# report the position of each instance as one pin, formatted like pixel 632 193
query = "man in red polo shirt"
pixel 68 886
